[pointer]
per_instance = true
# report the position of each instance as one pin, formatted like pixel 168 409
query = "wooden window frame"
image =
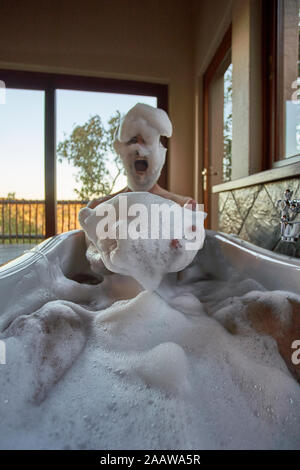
pixel 49 82
pixel 272 81
pixel 219 57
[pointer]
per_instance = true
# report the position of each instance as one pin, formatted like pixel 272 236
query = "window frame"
pixel 272 80
pixel 219 57
pixel 49 83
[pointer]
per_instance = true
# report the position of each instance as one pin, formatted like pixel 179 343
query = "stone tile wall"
pixel 251 214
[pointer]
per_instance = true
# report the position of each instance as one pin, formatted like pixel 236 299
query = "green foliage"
pixel 227 129
pixel 17 219
pixel 89 148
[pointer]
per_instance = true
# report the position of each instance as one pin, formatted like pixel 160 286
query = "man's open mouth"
pixel 140 165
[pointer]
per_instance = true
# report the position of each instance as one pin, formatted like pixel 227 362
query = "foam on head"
pixel 143 158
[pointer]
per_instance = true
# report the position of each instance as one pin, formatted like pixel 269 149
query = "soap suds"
pixel 194 365
pixel 145 258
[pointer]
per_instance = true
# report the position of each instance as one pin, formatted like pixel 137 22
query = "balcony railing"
pixel 23 221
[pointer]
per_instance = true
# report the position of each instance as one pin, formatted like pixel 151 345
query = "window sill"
pixel 279 173
pixel 286 161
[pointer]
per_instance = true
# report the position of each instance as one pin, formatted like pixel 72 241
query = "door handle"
pixel 206 172
pixel 204 178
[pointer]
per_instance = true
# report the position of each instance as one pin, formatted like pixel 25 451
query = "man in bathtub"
pixel 143 155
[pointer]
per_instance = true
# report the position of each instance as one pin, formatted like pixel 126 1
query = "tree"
pixel 89 148
pixel 227 129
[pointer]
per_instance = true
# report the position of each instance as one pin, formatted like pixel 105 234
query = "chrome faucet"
pixel 290 229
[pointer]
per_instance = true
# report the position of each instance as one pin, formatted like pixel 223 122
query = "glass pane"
pixel 227 127
pixel 22 170
pixel 291 79
pixel 87 165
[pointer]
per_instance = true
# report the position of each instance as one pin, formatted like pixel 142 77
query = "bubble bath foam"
pixel 199 363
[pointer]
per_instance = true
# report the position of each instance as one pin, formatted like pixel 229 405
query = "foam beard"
pixel 142 163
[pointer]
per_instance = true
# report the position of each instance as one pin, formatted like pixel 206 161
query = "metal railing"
pixel 23 221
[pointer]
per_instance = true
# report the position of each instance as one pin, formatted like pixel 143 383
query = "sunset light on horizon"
pixel 22 137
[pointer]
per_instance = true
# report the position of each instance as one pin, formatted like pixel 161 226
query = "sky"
pixel 22 136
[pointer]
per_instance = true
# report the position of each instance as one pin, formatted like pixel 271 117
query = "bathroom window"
pixel 22 183
pixel 282 82
pixel 38 112
pixel 217 126
pixel 82 118
pixel 227 124
pixel 289 79
pixel 77 111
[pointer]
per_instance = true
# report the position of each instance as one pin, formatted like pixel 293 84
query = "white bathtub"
pixel 173 362
pixel 222 254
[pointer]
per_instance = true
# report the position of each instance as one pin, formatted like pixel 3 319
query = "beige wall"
pixel 148 40
pixel 246 95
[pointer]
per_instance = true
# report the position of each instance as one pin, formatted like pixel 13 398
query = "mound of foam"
pixel 144 119
pixel 142 252
pixel 53 337
pixel 202 363
pixel 166 367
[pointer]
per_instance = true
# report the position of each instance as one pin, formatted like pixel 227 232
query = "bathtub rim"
pixel 249 247
pixel 30 257
pixel 48 246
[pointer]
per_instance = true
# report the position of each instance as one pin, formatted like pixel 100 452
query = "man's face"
pixel 143 161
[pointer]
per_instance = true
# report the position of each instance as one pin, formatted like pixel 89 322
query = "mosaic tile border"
pixel 251 213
